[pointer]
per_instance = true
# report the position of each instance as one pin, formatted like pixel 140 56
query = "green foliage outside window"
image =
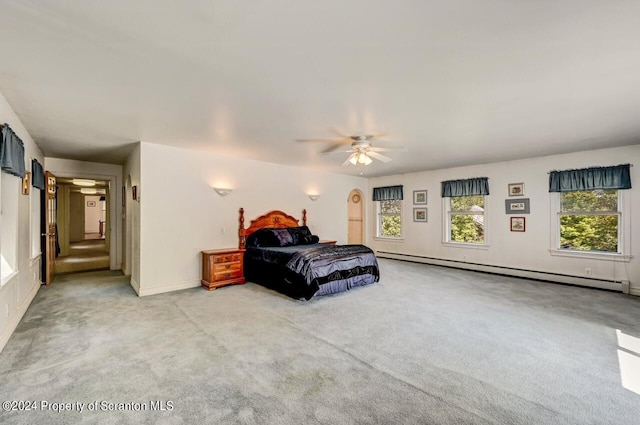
pixel 391 219
pixel 583 230
pixel 467 219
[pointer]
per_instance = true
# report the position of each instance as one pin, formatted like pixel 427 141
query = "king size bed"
pixel 284 256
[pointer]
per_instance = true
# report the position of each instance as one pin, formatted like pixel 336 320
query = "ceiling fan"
pixel 361 149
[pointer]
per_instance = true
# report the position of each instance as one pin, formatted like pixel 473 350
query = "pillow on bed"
pixel 283 236
pixel 298 233
pixel 262 237
pixel 269 237
pixel 308 240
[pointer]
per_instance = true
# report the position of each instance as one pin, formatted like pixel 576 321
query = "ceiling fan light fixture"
pixel 363 158
pixel 354 159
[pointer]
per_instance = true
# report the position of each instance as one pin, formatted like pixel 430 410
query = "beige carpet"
pixel 425 345
pixel 84 256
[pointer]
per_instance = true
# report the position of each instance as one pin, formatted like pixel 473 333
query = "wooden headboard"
pixel 273 219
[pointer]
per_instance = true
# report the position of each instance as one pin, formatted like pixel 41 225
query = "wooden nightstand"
pixel 222 267
pixel 328 242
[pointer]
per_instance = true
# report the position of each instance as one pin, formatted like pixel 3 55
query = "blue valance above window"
pixel 388 193
pixel 616 177
pixel 11 152
pixel 466 187
pixel 37 175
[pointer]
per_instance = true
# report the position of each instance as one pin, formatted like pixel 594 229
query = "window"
pixel 465 217
pixel 590 221
pixel 10 186
pixel 590 214
pixel 390 219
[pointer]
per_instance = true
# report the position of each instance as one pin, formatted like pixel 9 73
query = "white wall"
pixel 94 170
pixel 181 214
pixel 528 250
pixel 18 292
pixel 92 215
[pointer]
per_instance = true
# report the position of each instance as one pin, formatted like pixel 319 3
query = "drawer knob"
pixel 228 266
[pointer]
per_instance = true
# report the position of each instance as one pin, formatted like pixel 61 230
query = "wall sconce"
pixel 222 191
pixel 313 197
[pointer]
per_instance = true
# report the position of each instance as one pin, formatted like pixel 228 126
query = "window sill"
pixel 591 255
pixel 36 258
pixel 384 239
pixel 6 279
pixel 465 245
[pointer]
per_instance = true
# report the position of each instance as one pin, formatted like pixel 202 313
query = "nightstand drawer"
pixel 226 258
pixel 227 275
pixel 228 267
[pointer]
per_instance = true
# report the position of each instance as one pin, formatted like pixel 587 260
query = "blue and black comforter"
pixel 304 271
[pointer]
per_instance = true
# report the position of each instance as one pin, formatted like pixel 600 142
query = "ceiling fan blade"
pixel 317 140
pixel 337 151
pixel 339 133
pixel 337 147
pixel 378 135
pixel 397 148
pixel 345 163
pixel 378 156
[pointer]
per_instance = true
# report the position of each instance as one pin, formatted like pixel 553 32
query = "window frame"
pixel 447 213
pixel 380 214
pixel 624 230
pixel 9 199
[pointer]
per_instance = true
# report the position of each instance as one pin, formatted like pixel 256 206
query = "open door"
pixel 49 234
pixel 356 214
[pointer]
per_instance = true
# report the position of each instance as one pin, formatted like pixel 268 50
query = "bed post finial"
pixel 304 217
pixel 241 232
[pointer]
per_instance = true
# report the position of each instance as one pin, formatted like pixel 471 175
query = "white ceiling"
pixel 455 81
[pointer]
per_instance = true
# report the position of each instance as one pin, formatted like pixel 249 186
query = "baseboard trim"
pixel 168 287
pixel 15 320
pixel 135 285
pixel 610 285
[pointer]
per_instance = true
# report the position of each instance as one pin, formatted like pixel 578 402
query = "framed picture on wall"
pixel 419 197
pixel 134 193
pixel 518 224
pixel 517 206
pixel 516 189
pixel 420 214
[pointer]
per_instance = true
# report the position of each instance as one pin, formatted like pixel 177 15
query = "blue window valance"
pixel 616 177
pixel 11 152
pixel 466 187
pixel 388 193
pixel 37 175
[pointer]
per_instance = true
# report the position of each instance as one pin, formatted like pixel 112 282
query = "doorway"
pixel 83 223
pixel 356 216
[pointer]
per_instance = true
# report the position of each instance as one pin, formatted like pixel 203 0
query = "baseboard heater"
pixel 611 285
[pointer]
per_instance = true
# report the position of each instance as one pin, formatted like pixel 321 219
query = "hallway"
pixel 84 256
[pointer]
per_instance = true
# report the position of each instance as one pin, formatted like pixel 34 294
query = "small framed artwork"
pixel 517 206
pixel 516 189
pixel 91 203
pixel 419 197
pixel 420 214
pixel 26 183
pixel 134 193
pixel 518 224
